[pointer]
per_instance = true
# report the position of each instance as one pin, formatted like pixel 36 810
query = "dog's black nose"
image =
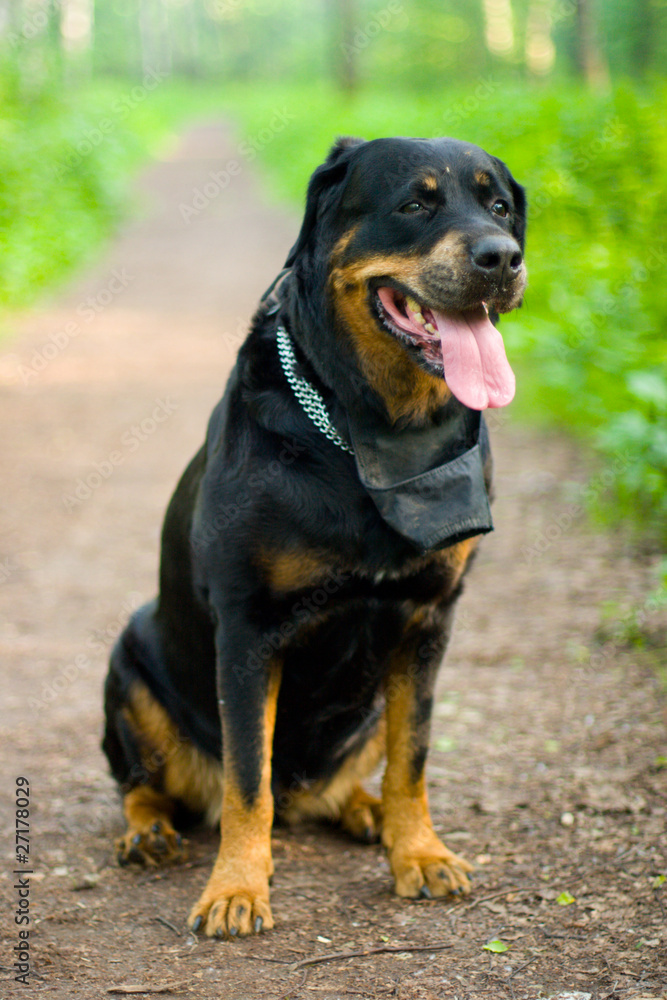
pixel 497 256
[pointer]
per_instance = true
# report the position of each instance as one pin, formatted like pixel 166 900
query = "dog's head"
pixel 410 245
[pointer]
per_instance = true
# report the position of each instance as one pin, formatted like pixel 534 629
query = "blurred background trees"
pixel 571 93
pixel 416 42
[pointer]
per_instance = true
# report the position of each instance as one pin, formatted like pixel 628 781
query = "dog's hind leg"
pixel 161 773
pixel 342 799
pixel 150 838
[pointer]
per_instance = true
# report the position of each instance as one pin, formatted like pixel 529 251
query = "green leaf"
pixel 658 881
pixel 497 947
pixel 565 899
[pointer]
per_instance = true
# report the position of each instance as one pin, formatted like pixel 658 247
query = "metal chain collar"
pixel 307 395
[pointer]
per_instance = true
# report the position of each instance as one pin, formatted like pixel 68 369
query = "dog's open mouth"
pixel 464 345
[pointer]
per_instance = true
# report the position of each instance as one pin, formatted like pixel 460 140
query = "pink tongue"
pixel 476 367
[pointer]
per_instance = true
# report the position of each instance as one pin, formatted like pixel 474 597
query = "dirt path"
pixel 545 764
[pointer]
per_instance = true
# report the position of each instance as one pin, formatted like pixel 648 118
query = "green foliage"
pixel 66 156
pixel 589 344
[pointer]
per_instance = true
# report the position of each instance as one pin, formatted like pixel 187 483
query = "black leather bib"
pixel 428 484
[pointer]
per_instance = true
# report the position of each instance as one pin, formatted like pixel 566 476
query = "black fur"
pixel 268 481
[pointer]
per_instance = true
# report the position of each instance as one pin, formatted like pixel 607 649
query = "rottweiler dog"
pixel 315 546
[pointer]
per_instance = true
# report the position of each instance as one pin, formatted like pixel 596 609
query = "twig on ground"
pixel 138 988
pixel 285 996
pixel 166 923
pixel 508 981
pixel 265 958
pixel 384 949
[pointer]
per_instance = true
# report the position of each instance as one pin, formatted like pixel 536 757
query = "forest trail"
pixel 545 764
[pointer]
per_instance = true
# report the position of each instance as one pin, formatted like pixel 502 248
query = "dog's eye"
pixel 501 208
pixel 412 208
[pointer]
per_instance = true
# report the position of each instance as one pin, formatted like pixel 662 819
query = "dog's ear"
pixel 519 198
pixel 519 220
pixel 323 181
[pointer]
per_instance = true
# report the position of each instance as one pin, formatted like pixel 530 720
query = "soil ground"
pixel 547 764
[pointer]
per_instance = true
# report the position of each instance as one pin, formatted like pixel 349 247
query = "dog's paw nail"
pixel 259 923
pixel 369 835
pixel 425 892
pixel 136 840
pixel 233 931
pixel 220 933
pixel 156 827
pixel 196 923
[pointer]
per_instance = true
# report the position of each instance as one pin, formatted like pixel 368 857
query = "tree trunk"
pixel 591 63
pixel 343 45
pixel 499 27
pixel 540 49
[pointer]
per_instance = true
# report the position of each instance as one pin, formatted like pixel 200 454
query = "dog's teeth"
pixel 430 328
pixel 415 308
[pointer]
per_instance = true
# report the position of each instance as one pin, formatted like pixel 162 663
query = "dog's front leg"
pixel 420 862
pixel 236 898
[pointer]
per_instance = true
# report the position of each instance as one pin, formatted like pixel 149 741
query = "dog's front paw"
pixel 427 868
pixel 231 906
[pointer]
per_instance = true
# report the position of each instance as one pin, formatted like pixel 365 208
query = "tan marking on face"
pixel 482 178
pixel 173 763
pixel 344 241
pixel 430 182
pixel 451 253
pixel 406 390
